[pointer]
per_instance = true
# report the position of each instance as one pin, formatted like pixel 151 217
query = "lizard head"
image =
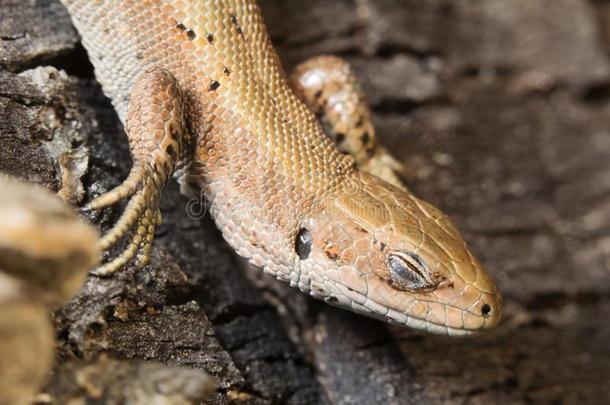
pixel 377 250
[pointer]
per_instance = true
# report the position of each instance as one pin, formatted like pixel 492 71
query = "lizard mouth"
pixel 399 318
pixel 365 305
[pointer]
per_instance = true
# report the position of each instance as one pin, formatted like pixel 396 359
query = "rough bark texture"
pixel 501 111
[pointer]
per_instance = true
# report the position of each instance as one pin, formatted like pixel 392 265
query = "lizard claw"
pixel 124 190
pixel 137 223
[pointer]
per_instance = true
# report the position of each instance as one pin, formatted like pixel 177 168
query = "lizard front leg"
pixel 156 129
pixel 328 86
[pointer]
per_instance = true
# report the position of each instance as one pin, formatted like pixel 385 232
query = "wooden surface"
pixel 501 110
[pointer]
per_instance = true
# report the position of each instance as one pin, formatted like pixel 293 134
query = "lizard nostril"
pixel 485 310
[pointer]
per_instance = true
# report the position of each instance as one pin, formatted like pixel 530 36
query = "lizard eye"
pixel 302 244
pixel 408 271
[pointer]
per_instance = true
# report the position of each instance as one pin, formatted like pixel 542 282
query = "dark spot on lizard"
pixel 332 299
pixel 209 37
pixel 365 138
pixel 226 71
pixel 339 137
pixel 234 22
pixel 303 243
pixel 331 251
pixel 190 33
pixel 382 245
pixel 214 85
pixel 331 255
pixel 318 94
pixel 360 229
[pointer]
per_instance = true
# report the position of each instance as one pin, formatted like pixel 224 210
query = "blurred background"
pixel 501 112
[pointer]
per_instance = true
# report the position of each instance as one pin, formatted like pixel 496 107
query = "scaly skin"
pixel 203 77
pixel 328 86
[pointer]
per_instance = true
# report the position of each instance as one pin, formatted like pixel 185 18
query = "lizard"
pixel 204 98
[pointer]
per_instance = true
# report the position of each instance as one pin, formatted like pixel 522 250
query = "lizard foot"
pixel 155 126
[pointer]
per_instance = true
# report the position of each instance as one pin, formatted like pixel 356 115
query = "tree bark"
pixel 501 112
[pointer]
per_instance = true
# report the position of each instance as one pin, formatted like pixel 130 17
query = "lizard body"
pixel 203 96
